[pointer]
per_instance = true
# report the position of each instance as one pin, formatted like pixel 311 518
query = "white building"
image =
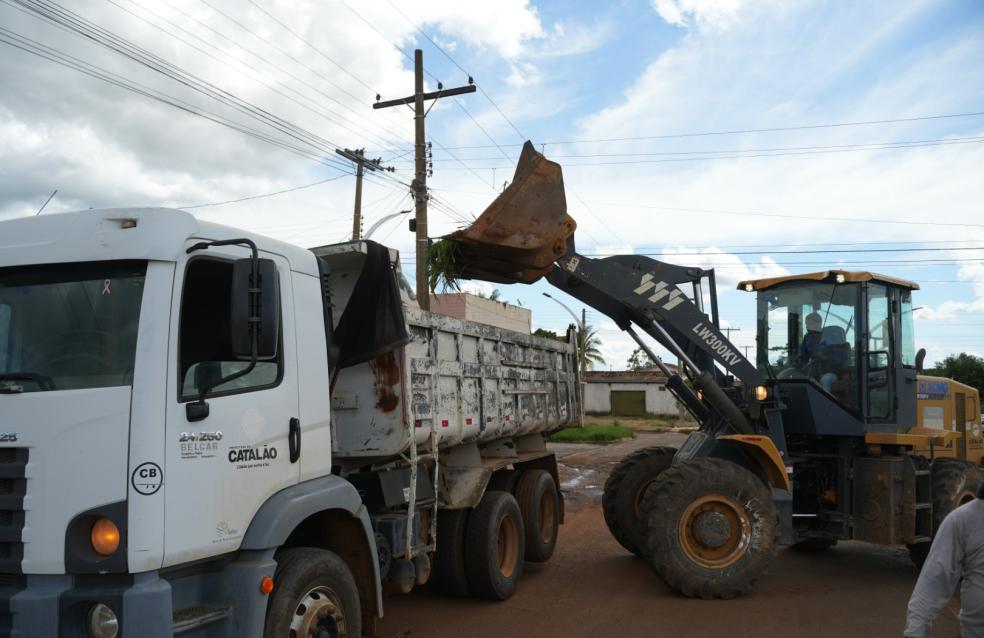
pixel 463 305
pixel 627 393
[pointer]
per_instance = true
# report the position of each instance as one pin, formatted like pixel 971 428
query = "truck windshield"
pixel 69 326
pixel 806 330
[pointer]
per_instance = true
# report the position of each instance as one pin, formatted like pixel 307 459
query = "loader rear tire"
pixel 955 482
pixel 449 575
pixel 624 490
pixel 536 493
pixel 712 528
pixel 494 546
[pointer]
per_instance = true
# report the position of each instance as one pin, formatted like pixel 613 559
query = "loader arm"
pixel 526 234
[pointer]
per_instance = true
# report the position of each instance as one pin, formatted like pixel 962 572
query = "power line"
pixel 751 155
pixel 785 216
pixel 796 252
pixel 264 195
pixel 744 131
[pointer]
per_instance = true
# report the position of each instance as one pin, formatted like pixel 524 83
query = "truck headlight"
pixel 761 393
pixel 102 622
pixel 105 537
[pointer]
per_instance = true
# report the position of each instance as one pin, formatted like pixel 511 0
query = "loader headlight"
pixel 761 393
pixel 840 278
pixel 102 622
pixel 749 287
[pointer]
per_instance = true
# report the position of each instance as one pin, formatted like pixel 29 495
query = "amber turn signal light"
pixel 105 537
pixel 266 585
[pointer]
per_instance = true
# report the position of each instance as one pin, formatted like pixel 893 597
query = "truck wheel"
pixel 955 482
pixel 536 493
pixel 712 528
pixel 315 595
pixel 494 546
pixel 449 574
pixel 622 499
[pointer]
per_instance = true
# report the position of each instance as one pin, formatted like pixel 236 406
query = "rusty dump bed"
pixel 468 381
pixel 524 231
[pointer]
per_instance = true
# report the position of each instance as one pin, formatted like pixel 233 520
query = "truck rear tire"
pixel 449 575
pixel 314 591
pixel 494 546
pixel 955 482
pixel 539 503
pixel 713 528
pixel 622 499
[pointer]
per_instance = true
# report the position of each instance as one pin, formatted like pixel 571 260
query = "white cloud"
pixel 712 14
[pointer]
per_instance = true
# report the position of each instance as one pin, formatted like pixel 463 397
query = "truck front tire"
pixel 314 592
pixel 494 546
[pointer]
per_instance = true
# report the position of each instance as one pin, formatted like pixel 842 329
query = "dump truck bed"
pixel 466 381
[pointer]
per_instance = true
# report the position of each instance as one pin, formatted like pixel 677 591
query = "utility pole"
pixel 358 156
pixel 419 185
pixel 729 331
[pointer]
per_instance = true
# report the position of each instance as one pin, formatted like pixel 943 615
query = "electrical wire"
pixel 265 195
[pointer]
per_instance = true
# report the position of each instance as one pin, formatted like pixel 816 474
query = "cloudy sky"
pixel 727 133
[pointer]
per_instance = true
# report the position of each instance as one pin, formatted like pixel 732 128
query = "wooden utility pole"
pixel 358 156
pixel 419 185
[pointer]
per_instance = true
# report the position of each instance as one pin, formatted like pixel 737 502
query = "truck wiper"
pixel 44 382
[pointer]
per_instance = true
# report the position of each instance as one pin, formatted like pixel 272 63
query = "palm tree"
pixel 588 347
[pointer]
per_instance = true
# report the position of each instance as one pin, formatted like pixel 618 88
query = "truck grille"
pixel 13 487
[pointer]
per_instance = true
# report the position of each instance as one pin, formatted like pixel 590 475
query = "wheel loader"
pixel 831 433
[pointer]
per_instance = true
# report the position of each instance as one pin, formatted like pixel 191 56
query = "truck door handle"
pixel 294 439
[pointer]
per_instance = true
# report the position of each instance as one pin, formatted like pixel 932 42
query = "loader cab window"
pixel 908 338
pixel 879 352
pixel 807 332
pixel 205 342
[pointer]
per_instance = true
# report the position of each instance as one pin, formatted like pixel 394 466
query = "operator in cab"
pixel 956 556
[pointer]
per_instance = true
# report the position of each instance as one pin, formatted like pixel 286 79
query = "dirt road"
pixel 592 587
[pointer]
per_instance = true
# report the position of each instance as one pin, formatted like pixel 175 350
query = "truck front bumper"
pixel 46 606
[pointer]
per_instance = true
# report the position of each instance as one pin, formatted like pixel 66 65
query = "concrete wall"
pixel 598 397
pixel 462 305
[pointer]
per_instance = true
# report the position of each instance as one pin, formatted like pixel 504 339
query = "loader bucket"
pixel 524 231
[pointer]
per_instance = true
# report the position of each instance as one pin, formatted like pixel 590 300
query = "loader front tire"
pixel 622 499
pixel 712 528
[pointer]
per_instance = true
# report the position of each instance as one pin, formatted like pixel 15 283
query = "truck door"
pixel 220 469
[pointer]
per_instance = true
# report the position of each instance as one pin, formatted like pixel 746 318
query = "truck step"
pixel 924 506
pixel 194 617
pixel 921 472
pixel 922 539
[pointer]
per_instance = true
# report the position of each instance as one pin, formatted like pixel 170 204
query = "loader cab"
pixel 840 346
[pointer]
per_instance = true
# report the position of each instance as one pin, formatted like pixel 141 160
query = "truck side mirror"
pixel 260 314
pixel 920 360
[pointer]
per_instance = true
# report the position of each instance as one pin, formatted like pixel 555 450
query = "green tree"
pixel 542 332
pixel 963 367
pixel 639 360
pixel 588 348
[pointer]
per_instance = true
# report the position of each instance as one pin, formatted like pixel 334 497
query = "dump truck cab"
pixel 841 345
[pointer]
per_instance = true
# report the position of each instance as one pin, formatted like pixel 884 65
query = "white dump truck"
pixel 212 433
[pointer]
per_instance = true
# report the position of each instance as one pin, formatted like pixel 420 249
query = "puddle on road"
pixel 581 485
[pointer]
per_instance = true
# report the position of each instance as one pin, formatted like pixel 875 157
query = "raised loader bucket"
pixel 524 231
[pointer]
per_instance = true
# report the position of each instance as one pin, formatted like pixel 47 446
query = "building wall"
pixel 598 397
pixel 493 313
